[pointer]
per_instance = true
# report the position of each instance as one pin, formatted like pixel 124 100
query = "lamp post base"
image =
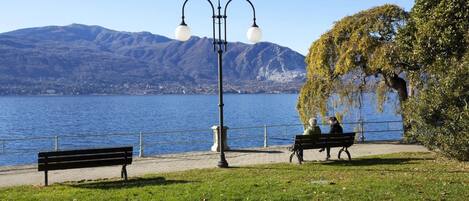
pixel 216 146
pixel 222 164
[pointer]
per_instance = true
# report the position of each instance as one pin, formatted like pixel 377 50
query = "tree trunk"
pixel 400 85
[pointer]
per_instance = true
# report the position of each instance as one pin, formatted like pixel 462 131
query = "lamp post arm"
pixel 224 19
pixel 184 8
pixel 226 6
pixel 253 11
pixel 213 18
pixel 213 24
pixel 183 12
pixel 250 3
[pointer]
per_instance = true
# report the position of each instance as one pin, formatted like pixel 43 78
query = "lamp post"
pixel 220 44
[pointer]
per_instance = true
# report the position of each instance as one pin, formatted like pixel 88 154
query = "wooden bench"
pixel 303 142
pixel 85 158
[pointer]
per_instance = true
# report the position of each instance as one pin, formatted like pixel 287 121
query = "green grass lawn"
pixel 404 176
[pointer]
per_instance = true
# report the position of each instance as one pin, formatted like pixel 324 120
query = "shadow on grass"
pixel 131 183
pixel 359 162
pixel 372 161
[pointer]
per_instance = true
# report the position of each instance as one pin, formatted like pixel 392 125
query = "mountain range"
pixel 81 59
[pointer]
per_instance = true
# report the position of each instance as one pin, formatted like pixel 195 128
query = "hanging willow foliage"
pixel 354 56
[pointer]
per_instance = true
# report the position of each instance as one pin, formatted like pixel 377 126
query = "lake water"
pixel 81 121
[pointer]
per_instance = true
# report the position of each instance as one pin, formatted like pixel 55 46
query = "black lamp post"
pixel 254 34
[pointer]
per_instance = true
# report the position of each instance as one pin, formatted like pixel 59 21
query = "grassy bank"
pixel 405 176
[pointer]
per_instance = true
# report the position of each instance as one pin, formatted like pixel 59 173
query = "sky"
pixel 291 23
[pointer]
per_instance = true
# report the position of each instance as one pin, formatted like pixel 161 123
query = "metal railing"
pixel 150 143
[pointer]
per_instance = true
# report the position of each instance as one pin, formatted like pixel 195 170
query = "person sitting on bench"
pixel 311 129
pixel 336 128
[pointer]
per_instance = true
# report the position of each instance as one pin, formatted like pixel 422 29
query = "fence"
pixel 22 150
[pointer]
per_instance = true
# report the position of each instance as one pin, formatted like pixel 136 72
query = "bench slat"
pixel 84 164
pixel 337 138
pixel 68 158
pixel 312 140
pixel 324 145
pixel 85 151
pixel 318 146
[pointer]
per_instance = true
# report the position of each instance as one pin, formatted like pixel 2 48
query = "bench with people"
pixel 313 138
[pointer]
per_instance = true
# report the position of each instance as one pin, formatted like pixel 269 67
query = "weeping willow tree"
pixel 358 54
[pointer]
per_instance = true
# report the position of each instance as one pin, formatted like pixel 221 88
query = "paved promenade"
pixel 28 175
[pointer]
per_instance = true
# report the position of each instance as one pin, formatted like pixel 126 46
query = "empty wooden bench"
pixel 303 142
pixel 85 158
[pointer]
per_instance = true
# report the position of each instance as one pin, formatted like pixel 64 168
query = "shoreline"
pixel 143 95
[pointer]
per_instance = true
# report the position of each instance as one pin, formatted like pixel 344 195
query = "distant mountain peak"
pixel 96 54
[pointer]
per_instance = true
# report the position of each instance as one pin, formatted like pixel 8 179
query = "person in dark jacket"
pixel 336 128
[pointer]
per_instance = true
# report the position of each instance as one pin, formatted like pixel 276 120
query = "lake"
pixel 81 122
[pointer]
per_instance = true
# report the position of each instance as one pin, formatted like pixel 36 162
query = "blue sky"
pixel 292 23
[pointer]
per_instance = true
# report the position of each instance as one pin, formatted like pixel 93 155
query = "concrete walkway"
pixel 28 175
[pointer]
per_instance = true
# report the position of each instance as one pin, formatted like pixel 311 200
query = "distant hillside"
pixel 80 59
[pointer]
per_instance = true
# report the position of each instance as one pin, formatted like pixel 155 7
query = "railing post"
pixel 3 146
pixel 362 132
pixel 56 143
pixel 140 153
pixel 265 136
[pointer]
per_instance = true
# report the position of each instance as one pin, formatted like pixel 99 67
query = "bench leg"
pixel 124 172
pixel 340 152
pixel 348 154
pixel 299 155
pixel 291 155
pixel 328 151
pixel 46 180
